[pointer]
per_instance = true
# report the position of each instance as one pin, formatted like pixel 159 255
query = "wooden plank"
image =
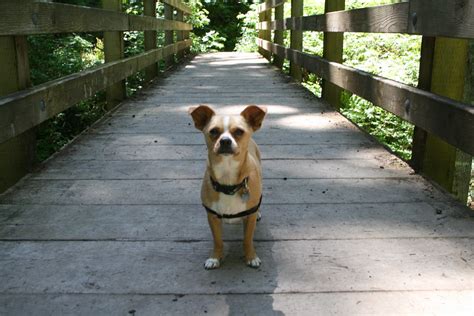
pixel 180 34
pixel 169 35
pixel 114 50
pixel 296 39
pixel 270 4
pixel 424 109
pixel 332 51
pixel 345 266
pixel 329 303
pixel 391 18
pixel 149 8
pixel 23 110
pixel 282 222
pixel 49 17
pixel 178 4
pixel 73 169
pixel 279 34
pixel 290 191
pixel 442 18
pixel 442 162
pixel 17 155
pixel 424 83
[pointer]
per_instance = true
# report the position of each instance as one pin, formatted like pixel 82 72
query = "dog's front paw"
pixel 254 263
pixel 212 263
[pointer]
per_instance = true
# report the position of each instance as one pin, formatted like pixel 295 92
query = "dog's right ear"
pixel 201 115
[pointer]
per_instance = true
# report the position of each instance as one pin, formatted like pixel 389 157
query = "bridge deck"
pixel 113 223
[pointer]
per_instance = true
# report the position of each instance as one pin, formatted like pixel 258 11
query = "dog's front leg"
pixel 251 257
pixel 215 224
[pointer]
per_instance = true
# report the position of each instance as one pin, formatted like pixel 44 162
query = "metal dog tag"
pixel 245 191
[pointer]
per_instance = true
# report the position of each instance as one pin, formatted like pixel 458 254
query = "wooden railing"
pixel 444 133
pixel 26 108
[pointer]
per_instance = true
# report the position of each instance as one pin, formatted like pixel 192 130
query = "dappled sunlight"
pixel 312 122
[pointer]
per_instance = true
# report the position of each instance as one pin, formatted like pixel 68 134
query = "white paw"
pixel 212 263
pixel 259 216
pixel 254 263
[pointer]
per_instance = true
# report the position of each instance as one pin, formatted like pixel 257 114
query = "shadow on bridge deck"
pixel 113 223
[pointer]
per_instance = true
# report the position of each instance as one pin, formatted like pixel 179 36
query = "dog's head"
pixel 227 135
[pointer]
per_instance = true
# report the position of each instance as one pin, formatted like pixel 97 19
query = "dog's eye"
pixel 214 132
pixel 238 132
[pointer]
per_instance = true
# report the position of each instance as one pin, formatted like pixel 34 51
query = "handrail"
pixel 49 17
pixel 414 17
pixel 25 109
pixel 444 26
pixel 424 109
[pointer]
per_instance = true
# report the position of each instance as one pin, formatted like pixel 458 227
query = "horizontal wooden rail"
pixel 414 17
pixel 270 4
pixel 177 4
pixel 448 119
pixel 47 17
pixel 25 109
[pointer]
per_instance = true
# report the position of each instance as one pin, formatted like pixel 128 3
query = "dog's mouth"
pixel 225 151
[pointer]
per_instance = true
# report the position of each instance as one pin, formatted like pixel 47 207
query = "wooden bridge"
pixel 113 224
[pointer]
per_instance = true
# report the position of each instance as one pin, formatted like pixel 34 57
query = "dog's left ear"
pixel 254 115
pixel 201 115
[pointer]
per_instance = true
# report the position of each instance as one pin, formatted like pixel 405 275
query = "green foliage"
pixel 223 21
pixel 247 41
pixel 209 42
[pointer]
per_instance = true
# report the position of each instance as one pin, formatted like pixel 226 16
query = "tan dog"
pixel 232 186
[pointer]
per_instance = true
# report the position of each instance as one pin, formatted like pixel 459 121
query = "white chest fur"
pixel 230 204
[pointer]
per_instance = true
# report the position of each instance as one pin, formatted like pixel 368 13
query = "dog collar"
pixel 241 214
pixel 228 189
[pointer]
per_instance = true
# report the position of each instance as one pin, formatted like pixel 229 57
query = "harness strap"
pixel 241 214
pixel 228 189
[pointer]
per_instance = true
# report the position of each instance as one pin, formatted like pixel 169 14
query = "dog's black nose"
pixel 226 142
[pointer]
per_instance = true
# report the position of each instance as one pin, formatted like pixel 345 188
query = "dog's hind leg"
pixel 214 261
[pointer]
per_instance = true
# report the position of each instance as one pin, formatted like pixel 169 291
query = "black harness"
pixel 231 190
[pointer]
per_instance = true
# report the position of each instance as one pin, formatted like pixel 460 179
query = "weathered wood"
pixel 114 50
pixel 442 18
pixel 332 51
pixel 270 4
pixel 382 19
pixel 335 303
pixel 181 192
pixel 424 109
pixel 279 34
pixel 424 83
pixel 178 4
pixel 17 155
pixel 180 34
pixel 23 110
pixel 149 8
pixel 296 39
pixel 282 222
pixel 266 35
pixel 359 265
pixel 49 17
pixel 169 35
pixel 442 162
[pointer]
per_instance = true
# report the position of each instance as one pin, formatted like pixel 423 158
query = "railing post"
pixel 445 164
pixel 180 34
pixel 17 155
pixel 278 36
pixel 149 9
pixel 113 50
pixel 169 36
pixel 333 49
pixel 296 40
pixel 265 16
